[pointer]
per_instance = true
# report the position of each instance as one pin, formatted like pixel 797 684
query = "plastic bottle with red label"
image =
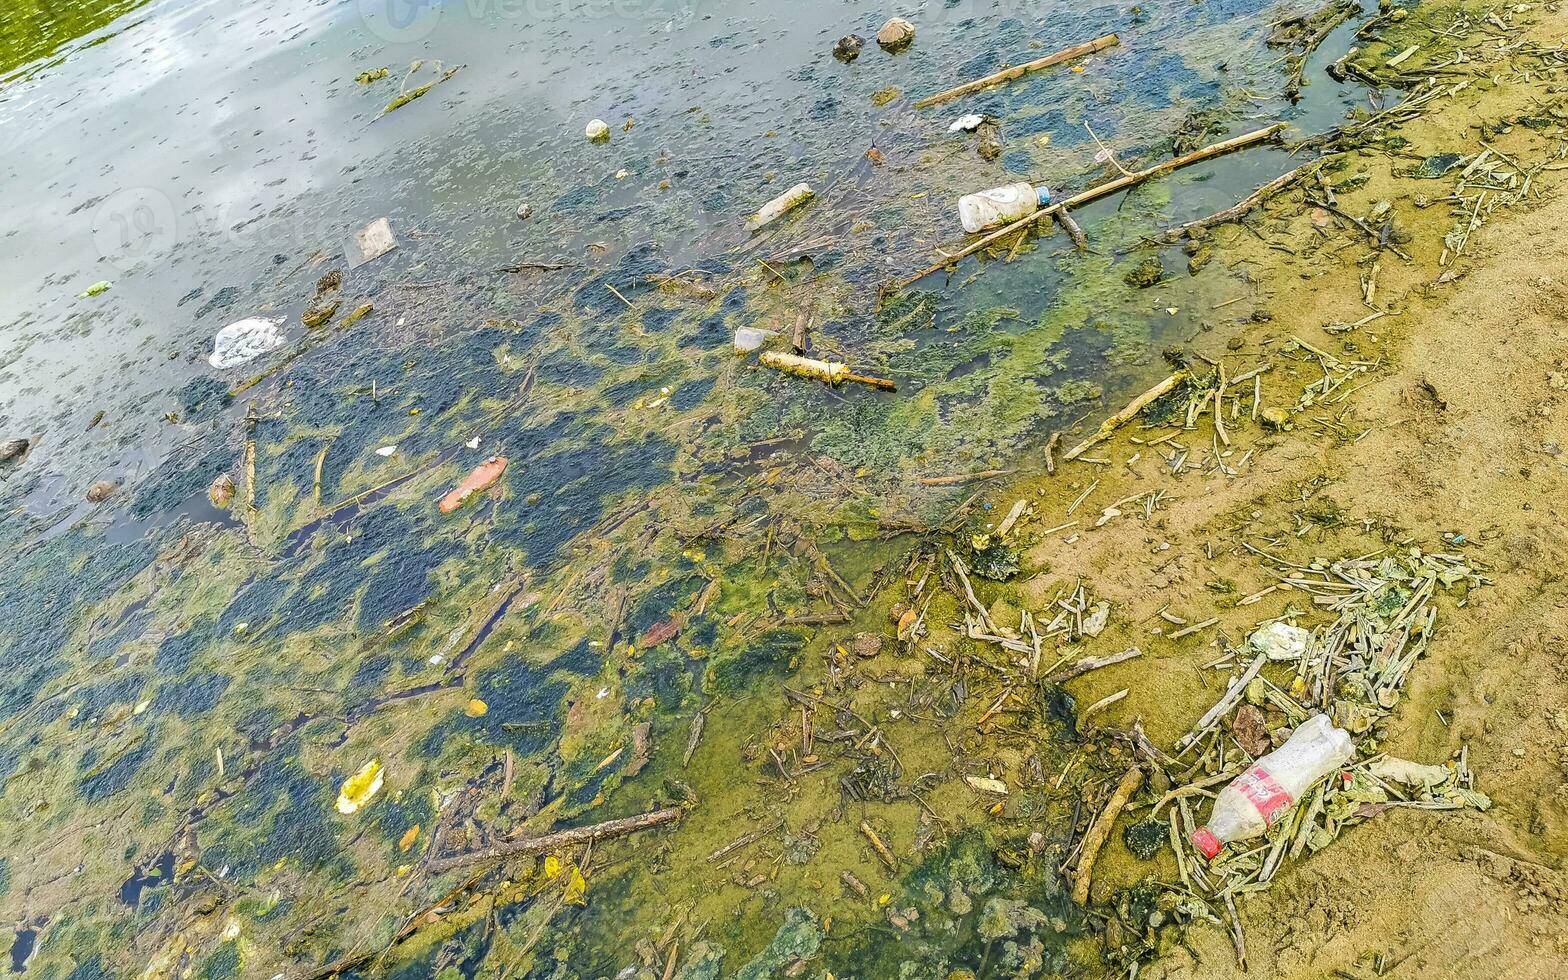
pixel 1259 797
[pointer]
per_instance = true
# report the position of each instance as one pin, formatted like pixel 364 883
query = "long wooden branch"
pixel 560 839
pixel 1102 190
pixel 1017 71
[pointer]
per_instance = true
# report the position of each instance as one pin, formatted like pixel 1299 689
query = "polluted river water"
pixel 275 735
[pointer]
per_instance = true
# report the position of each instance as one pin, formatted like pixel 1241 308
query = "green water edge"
pixel 535 607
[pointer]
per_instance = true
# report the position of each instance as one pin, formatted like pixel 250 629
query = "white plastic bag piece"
pixel 1282 641
pixel 245 341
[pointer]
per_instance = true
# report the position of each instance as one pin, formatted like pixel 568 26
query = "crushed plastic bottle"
pixel 1000 206
pixel 1259 797
pixel 748 339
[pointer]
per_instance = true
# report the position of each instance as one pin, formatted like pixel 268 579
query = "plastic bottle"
pixel 1259 797
pixel 1001 205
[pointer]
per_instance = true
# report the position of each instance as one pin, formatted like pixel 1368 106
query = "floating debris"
pixel 780 206
pixel 370 242
pixel 245 341
pixel 832 372
pixel 360 788
pixel 483 477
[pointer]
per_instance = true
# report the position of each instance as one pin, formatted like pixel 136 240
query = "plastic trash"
pixel 1000 206
pixel 966 124
pixel 483 477
pixel 780 206
pixel 245 340
pixel 748 339
pixel 1259 797
pixel 1282 641
pixel 370 242
pixel 598 131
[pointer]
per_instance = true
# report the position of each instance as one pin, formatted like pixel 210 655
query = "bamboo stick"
pixel 1017 71
pixel 1124 416
pixel 1102 190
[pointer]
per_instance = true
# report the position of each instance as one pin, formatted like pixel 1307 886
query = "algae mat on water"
pixel 240 744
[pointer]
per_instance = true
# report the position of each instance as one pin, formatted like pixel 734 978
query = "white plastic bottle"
pixel 1001 205
pixel 1259 797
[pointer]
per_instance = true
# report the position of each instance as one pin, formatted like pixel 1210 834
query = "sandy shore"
pixel 1456 431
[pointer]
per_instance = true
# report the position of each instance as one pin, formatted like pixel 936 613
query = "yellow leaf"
pixel 884 899
pixel 576 887
pixel 476 708
pixel 360 788
pixel 552 867
pixel 409 838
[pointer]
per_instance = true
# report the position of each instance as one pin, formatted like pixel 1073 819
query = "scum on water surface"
pixel 653 605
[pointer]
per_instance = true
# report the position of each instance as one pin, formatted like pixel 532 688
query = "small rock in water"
pixel 221 493
pixel 1145 274
pixel 13 449
pixel 1276 418
pixel 848 47
pixel 896 35
pixel 101 491
pixel 525 211
pixel 598 131
pixel 319 314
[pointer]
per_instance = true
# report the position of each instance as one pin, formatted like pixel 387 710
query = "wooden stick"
pixel 1099 830
pixel 1223 705
pixel 1248 203
pixel 560 839
pixel 1018 71
pixel 1074 231
pixel 1093 663
pixel 877 845
pixel 1102 190
pixel 1124 416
